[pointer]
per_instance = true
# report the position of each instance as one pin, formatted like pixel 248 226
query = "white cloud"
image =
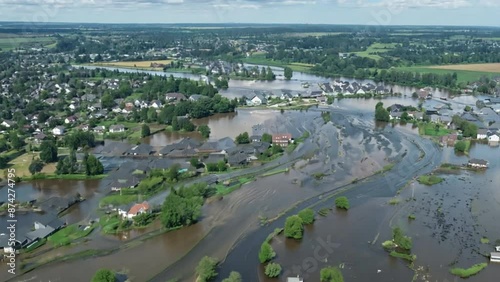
pixel 443 4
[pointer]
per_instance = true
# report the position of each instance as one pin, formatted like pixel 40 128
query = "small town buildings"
pixel 58 130
pixel 117 128
pixel 8 123
pixel 140 150
pixel 282 139
pixel 477 163
pixel 39 138
pixel 70 119
pixel 175 97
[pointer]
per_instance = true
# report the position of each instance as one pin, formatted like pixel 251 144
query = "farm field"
pixel 134 64
pixel 376 48
pixel 8 42
pixel 492 67
pixel 462 75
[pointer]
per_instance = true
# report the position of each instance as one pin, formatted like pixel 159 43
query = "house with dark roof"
pixel 129 182
pixel 175 97
pixel 140 150
pixel 255 138
pixel 214 158
pixel 477 163
pixel 117 128
pixel 238 159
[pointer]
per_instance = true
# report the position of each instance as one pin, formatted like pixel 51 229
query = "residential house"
pixel 140 150
pixel 84 127
pixel 259 100
pixel 214 158
pixel 237 159
pixel 58 130
pixel 156 104
pixel 322 100
pixel 195 97
pixel 8 123
pixel 39 138
pixel 395 115
pixel 175 97
pixel 282 139
pixel 70 119
pixel 99 129
pixel 135 210
pixel 477 163
pixel 495 256
pixel 396 108
pixel 130 182
pixel 482 133
pixel 73 106
pixel 493 140
pixel 255 138
pixel 117 128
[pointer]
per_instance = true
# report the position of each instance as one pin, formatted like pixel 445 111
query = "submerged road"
pixel 422 157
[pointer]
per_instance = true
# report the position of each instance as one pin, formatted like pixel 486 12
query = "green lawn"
pixel 10 43
pixel 429 129
pixel 109 224
pixel 473 270
pixel 462 75
pixel 376 48
pixel 429 179
pixel 69 234
pixel 117 200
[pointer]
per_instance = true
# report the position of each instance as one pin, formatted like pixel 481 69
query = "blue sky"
pixel 371 12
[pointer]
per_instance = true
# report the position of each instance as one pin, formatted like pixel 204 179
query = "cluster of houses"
pixel 130 173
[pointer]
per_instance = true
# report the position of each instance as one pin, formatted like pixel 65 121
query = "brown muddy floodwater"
pixel 221 125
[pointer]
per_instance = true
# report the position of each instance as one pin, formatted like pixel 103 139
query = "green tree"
pixel 206 269
pixel 342 203
pixel 178 211
pixel 243 138
pixel 288 73
pixel 104 275
pixel 107 101
pixel 294 227
pixel 266 252
pixel 35 166
pixel 307 216
pixel 16 142
pixel 3 162
pixel 266 137
pixel 48 151
pixel 381 114
pixel 145 130
pixel 460 146
pixel 273 270
pixel 195 162
pixel 204 130
pixel 92 165
pixel 331 274
pixel 233 277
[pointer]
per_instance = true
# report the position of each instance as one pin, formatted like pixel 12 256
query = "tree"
pixel 381 114
pixel 195 162
pixel 233 277
pixel 48 151
pixel 243 138
pixel 178 211
pixel 221 166
pixel 206 269
pixel 92 165
pixel 294 227
pixel 266 252
pixel 273 270
pixel 342 203
pixel 107 101
pixel 331 274
pixel 204 130
pixel 35 166
pixel 266 137
pixel 16 142
pixel 104 275
pixel 460 146
pixel 288 73
pixel 145 130
pixel 307 216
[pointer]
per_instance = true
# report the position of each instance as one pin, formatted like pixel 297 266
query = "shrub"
pixel 294 227
pixel 273 270
pixel 307 216
pixel 206 269
pixel 266 252
pixel 104 275
pixel 331 274
pixel 342 203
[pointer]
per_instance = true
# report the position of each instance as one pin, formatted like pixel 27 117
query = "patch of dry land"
pixel 136 64
pixel 494 67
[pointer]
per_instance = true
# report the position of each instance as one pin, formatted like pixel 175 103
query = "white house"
pixel 117 128
pixel 8 123
pixel 258 100
pixel 134 210
pixel 493 140
pixel 155 104
pixel 482 133
pixel 58 130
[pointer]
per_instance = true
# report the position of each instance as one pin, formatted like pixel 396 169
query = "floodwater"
pixel 221 125
pixel 450 217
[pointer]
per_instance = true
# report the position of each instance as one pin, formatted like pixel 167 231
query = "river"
pixel 352 147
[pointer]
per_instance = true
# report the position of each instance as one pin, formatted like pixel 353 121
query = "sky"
pixel 363 12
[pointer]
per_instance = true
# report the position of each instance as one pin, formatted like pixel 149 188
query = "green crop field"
pixel 376 48
pixel 462 75
pixel 10 42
